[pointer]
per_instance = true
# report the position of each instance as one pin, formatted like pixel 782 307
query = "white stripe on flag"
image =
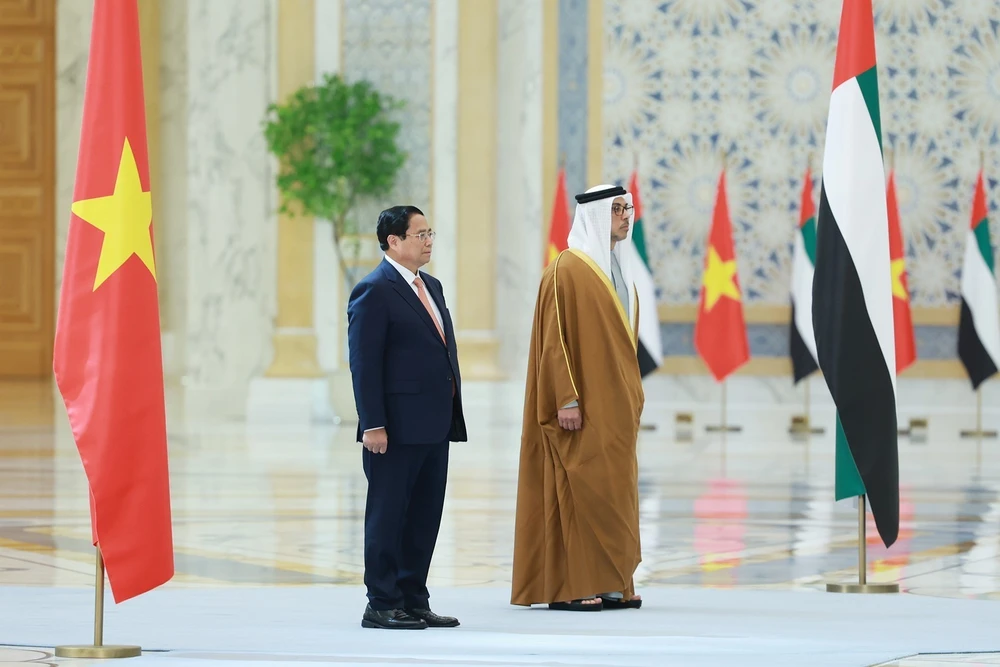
pixel 649 316
pixel 979 289
pixel 802 293
pixel 854 180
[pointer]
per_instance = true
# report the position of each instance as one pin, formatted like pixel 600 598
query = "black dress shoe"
pixel 432 619
pixel 391 619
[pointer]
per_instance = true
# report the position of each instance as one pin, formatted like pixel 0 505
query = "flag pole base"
pixel 977 433
pixel 862 588
pixel 728 428
pixel 647 427
pixel 98 652
pixel 801 426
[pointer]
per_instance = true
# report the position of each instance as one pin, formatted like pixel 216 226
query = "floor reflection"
pixel 285 507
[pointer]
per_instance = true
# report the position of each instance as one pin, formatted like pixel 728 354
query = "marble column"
pixel 171 196
pixel 231 203
pixel 294 388
pixel 521 210
pixel 477 190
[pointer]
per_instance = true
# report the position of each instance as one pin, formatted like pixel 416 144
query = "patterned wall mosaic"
pixel 389 43
pixel 686 79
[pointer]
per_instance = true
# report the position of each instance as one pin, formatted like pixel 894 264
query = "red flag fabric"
pixel 720 332
pixel 559 224
pixel 906 346
pixel 107 358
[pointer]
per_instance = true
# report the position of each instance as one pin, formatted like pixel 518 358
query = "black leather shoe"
pixel 432 619
pixel 391 619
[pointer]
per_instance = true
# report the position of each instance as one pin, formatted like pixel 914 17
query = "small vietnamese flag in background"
pixel 720 332
pixel 559 224
pixel 906 346
pixel 107 360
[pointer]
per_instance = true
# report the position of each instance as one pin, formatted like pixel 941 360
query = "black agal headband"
pixel 597 195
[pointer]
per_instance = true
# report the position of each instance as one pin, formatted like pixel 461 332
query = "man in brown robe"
pixel 576 536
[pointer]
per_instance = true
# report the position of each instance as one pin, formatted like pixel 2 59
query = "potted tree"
pixel 335 143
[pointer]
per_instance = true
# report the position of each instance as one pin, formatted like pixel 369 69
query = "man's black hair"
pixel 394 222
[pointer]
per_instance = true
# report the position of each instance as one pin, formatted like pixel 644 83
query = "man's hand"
pixel 375 441
pixel 571 419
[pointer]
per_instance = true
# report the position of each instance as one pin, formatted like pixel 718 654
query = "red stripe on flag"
pixel 856 42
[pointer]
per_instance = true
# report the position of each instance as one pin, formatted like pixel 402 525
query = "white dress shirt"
pixel 409 277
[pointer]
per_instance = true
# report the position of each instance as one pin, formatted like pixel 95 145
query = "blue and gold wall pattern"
pixel 686 80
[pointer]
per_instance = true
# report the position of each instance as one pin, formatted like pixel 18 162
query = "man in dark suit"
pixel 408 390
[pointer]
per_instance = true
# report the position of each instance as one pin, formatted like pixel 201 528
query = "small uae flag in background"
pixel 852 285
pixel 559 224
pixel 906 346
pixel 650 348
pixel 802 341
pixel 979 324
pixel 720 331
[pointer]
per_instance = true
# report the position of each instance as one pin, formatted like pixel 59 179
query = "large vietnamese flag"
pixel 906 345
pixel 107 358
pixel 720 331
pixel 852 284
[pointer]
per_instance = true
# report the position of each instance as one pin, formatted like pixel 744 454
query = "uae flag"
pixel 650 348
pixel 906 346
pixel 802 341
pixel 978 327
pixel 720 332
pixel 559 224
pixel 107 359
pixel 852 285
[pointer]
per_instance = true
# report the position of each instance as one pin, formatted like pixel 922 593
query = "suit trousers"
pixel 406 488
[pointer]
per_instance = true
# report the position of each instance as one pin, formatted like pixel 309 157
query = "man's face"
pixel 415 247
pixel 619 219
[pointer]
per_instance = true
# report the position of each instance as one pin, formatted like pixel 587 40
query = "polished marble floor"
pixel 282 505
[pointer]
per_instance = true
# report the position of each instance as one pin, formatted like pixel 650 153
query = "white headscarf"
pixel 591 234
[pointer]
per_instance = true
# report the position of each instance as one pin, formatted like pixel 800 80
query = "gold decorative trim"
pixel 611 290
pixel 555 289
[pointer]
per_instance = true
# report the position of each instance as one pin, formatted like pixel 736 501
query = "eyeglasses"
pixel 618 209
pixel 423 237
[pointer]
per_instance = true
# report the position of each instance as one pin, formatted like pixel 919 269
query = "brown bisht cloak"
pixel 576 531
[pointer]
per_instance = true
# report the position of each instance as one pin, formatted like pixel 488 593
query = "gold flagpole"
pixel 979 433
pixel 862 586
pixel 98 650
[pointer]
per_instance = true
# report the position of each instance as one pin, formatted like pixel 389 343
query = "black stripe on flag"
pixel 855 371
pixel 646 362
pixel 974 356
pixel 803 364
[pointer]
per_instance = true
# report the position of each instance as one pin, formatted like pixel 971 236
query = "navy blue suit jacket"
pixel 401 369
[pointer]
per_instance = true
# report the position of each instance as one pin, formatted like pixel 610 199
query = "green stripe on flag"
pixel 847 480
pixel 639 239
pixel 809 239
pixel 982 232
pixel 868 82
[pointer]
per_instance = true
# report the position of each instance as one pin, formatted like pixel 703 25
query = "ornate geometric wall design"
pixel 388 42
pixel 685 79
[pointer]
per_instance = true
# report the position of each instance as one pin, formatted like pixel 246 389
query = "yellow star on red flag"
pixel 124 217
pixel 719 279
